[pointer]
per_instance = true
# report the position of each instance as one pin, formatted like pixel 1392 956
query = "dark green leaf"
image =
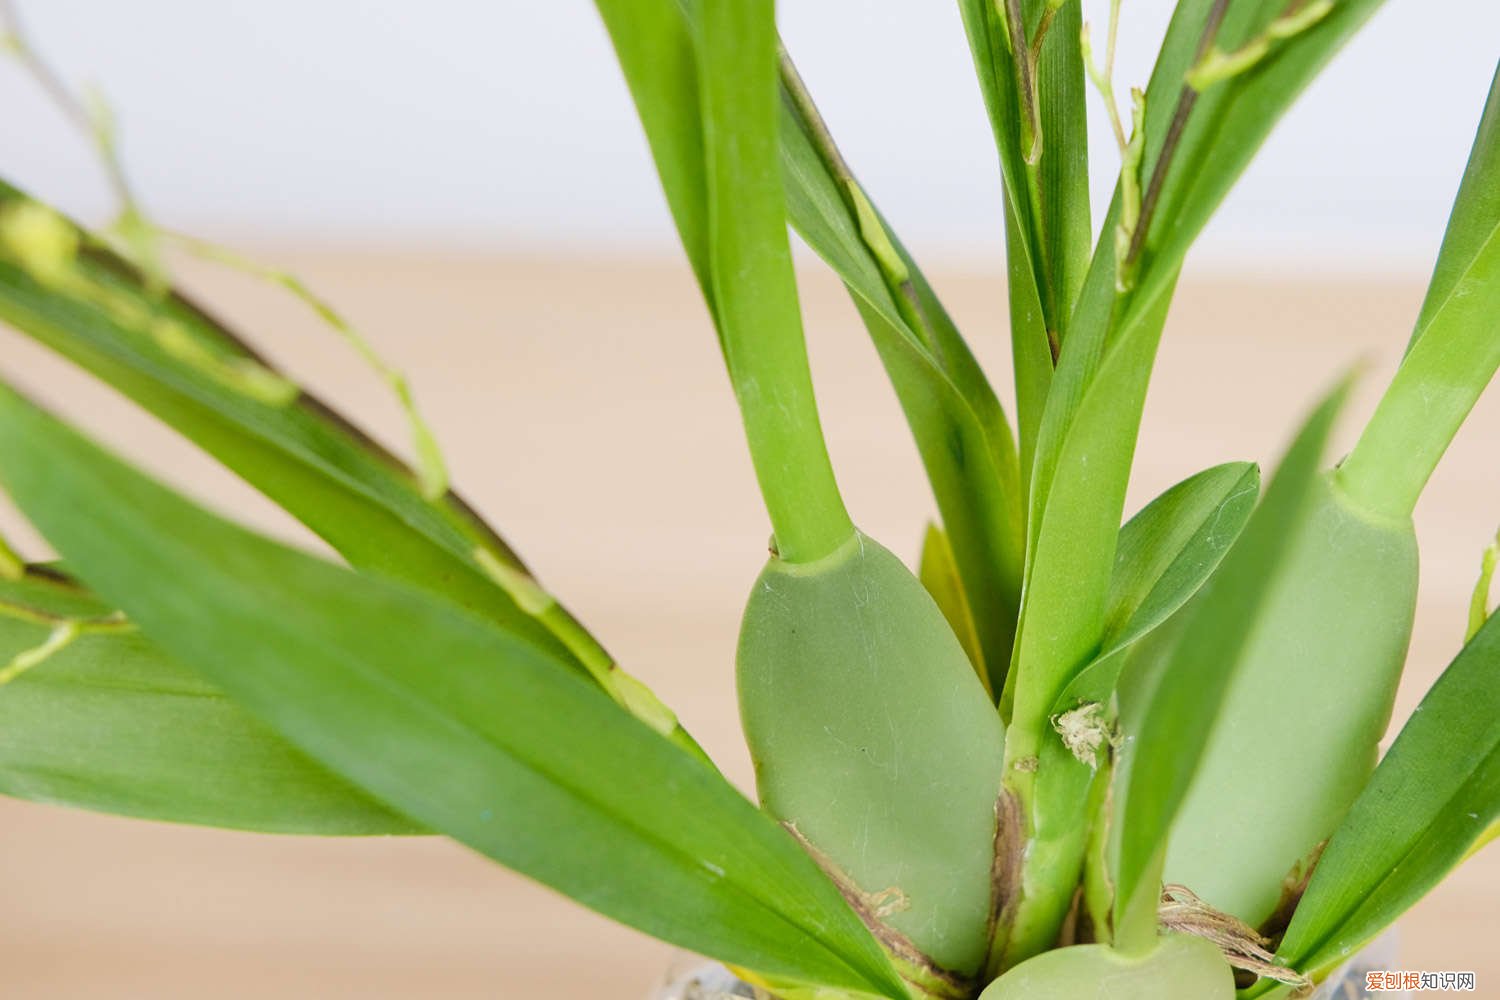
pixel 173 360
pixel 461 725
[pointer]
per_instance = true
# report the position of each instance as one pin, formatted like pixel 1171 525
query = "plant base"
pixel 690 977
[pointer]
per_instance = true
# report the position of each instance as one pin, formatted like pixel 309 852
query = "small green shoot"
pixel 1479 604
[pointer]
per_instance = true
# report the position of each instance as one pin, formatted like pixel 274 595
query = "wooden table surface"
pixel 583 408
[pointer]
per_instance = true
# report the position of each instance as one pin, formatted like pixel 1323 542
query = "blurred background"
pixel 468 181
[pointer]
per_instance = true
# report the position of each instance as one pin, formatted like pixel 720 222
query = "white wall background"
pixel 505 124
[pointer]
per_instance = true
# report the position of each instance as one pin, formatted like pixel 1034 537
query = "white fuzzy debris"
pixel 1084 730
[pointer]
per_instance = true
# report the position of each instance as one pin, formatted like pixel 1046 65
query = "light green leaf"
pixel 1071 550
pixel 1471 225
pixel 1432 800
pixel 112 725
pixel 1172 546
pixel 1455 347
pixel 1062 615
pixel 1166 729
pixel 463 726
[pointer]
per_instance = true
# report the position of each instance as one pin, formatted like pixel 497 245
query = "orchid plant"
pixel 1062 758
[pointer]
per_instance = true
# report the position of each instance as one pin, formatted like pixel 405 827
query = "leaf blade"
pixel 1173 545
pixel 112 725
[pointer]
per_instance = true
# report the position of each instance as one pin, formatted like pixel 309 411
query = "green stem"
pixel 60 638
pixel 1185 101
pixel 432 469
pixel 1479 603
pixel 754 285
pixel 114 624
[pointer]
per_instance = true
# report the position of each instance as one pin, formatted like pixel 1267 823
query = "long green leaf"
pixel 303 456
pixel 1062 619
pixel 654 44
pixel 112 725
pixel 1167 728
pixel 1086 438
pixel 1455 346
pixel 1220 133
pixel 1070 555
pixel 1232 118
pixel 1434 797
pixel 1063 178
pixel 461 725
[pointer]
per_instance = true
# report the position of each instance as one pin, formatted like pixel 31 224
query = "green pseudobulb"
pixel 1177 968
pixel 1297 736
pixel 874 740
